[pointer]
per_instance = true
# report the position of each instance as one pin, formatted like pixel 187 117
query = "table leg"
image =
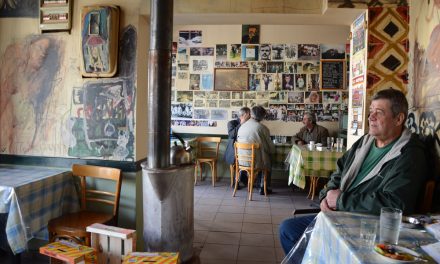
pixel 313 184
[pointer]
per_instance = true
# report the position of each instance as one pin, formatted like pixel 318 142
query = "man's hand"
pixel 300 142
pixel 332 197
pixel 324 206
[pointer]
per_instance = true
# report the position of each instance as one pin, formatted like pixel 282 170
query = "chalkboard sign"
pixel 332 74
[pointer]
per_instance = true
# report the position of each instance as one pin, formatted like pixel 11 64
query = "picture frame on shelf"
pixel 231 79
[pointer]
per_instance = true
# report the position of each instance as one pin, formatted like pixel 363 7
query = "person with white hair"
pixel 310 131
pixel 254 132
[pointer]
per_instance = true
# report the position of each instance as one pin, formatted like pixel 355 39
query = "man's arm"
pixel 298 136
pixel 233 127
pixel 323 135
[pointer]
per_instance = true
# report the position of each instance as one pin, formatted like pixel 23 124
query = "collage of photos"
pixel 282 77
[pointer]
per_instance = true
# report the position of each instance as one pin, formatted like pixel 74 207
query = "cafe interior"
pixel 121 100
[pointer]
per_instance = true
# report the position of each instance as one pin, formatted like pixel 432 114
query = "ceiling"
pixel 332 16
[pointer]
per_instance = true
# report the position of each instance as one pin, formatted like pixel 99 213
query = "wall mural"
pixel 103 125
pixel 19 8
pixel 31 80
pixel 424 77
pixel 387 48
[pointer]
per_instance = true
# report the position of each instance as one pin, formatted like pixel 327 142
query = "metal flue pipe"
pixel 159 83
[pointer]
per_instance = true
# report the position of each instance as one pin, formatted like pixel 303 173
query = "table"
pixel 312 163
pixel 31 196
pixel 335 239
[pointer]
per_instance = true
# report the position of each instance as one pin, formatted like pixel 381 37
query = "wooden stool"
pixel 111 243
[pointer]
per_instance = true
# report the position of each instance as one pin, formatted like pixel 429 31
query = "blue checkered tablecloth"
pixel 31 196
pixel 335 239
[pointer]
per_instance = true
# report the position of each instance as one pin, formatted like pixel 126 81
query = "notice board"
pixel 333 74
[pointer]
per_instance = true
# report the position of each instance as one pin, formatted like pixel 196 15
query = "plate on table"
pixel 397 254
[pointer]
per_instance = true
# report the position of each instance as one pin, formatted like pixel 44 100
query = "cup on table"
pixel 311 145
pixel 339 144
pixel 368 232
pixel 329 142
pixel 390 219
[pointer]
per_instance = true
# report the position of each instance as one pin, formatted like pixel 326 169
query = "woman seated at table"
pixel 310 131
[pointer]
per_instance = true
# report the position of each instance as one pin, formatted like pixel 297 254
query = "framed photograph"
pixel 227 79
pixel 250 34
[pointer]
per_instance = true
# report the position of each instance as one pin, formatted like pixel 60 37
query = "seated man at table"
pixel 385 168
pixel 310 131
pixel 252 131
pixel 243 115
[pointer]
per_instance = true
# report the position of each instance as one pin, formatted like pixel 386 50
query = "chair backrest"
pixel 245 154
pixel 91 194
pixel 207 147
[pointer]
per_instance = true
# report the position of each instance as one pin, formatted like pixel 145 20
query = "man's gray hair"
pixel 243 111
pixel 311 116
pixel 398 101
pixel 258 113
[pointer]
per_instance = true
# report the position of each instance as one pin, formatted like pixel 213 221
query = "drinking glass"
pixel 329 142
pixel 368 233
pixel 390 219
pixel 339 144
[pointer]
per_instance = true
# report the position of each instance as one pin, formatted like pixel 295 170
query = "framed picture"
pixel 99 40
pixel 231 79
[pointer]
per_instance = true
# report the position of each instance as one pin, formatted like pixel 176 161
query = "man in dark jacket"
pixel 385 168
pixel 310 131
pixel 243 115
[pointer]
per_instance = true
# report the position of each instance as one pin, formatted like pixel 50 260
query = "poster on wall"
pixel 250 34
pixel 221 52
pixel 249 52
pixel 358 34
pixel 99 40
pixel 234 52
pixel 332 52
pixel 190 38
pixel 201 64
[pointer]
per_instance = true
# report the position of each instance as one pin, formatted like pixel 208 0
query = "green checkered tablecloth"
pixel 304 162
pixel 335 239
pixel 281 152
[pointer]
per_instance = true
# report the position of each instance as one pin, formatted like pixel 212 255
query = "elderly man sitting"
pixel 310 131
pixel 385 168
pixel 252 131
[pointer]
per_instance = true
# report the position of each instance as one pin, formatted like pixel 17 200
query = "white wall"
pixel 274 34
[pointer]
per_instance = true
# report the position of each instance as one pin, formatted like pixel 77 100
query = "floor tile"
pixel 257 240
pixel 204 216
pixel 209 201
pixel 257 210
pixel 257 218
pixel 219 251
pixel 229 217
pixel 253 253
pixel 231 209
pixel 200 236
pixel 227 238
pixel 202 225
pixel 257 228
pixel 226 226
pixel 206 208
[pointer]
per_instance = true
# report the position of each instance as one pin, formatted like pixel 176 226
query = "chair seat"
pixel 75 224
pixel 206 159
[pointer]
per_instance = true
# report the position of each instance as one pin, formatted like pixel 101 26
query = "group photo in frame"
pixel 231 79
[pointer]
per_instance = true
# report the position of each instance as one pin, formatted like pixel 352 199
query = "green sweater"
pixel 397 183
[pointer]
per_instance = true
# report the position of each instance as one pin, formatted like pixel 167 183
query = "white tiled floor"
pixel 232 230
pixel 237 231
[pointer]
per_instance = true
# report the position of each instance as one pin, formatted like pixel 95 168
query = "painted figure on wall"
pixel 99 38
pixel 29 75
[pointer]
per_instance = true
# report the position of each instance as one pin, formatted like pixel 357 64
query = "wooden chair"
pixel 245 161
pixel 73 226
pixel 207 152
pixel 232 171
